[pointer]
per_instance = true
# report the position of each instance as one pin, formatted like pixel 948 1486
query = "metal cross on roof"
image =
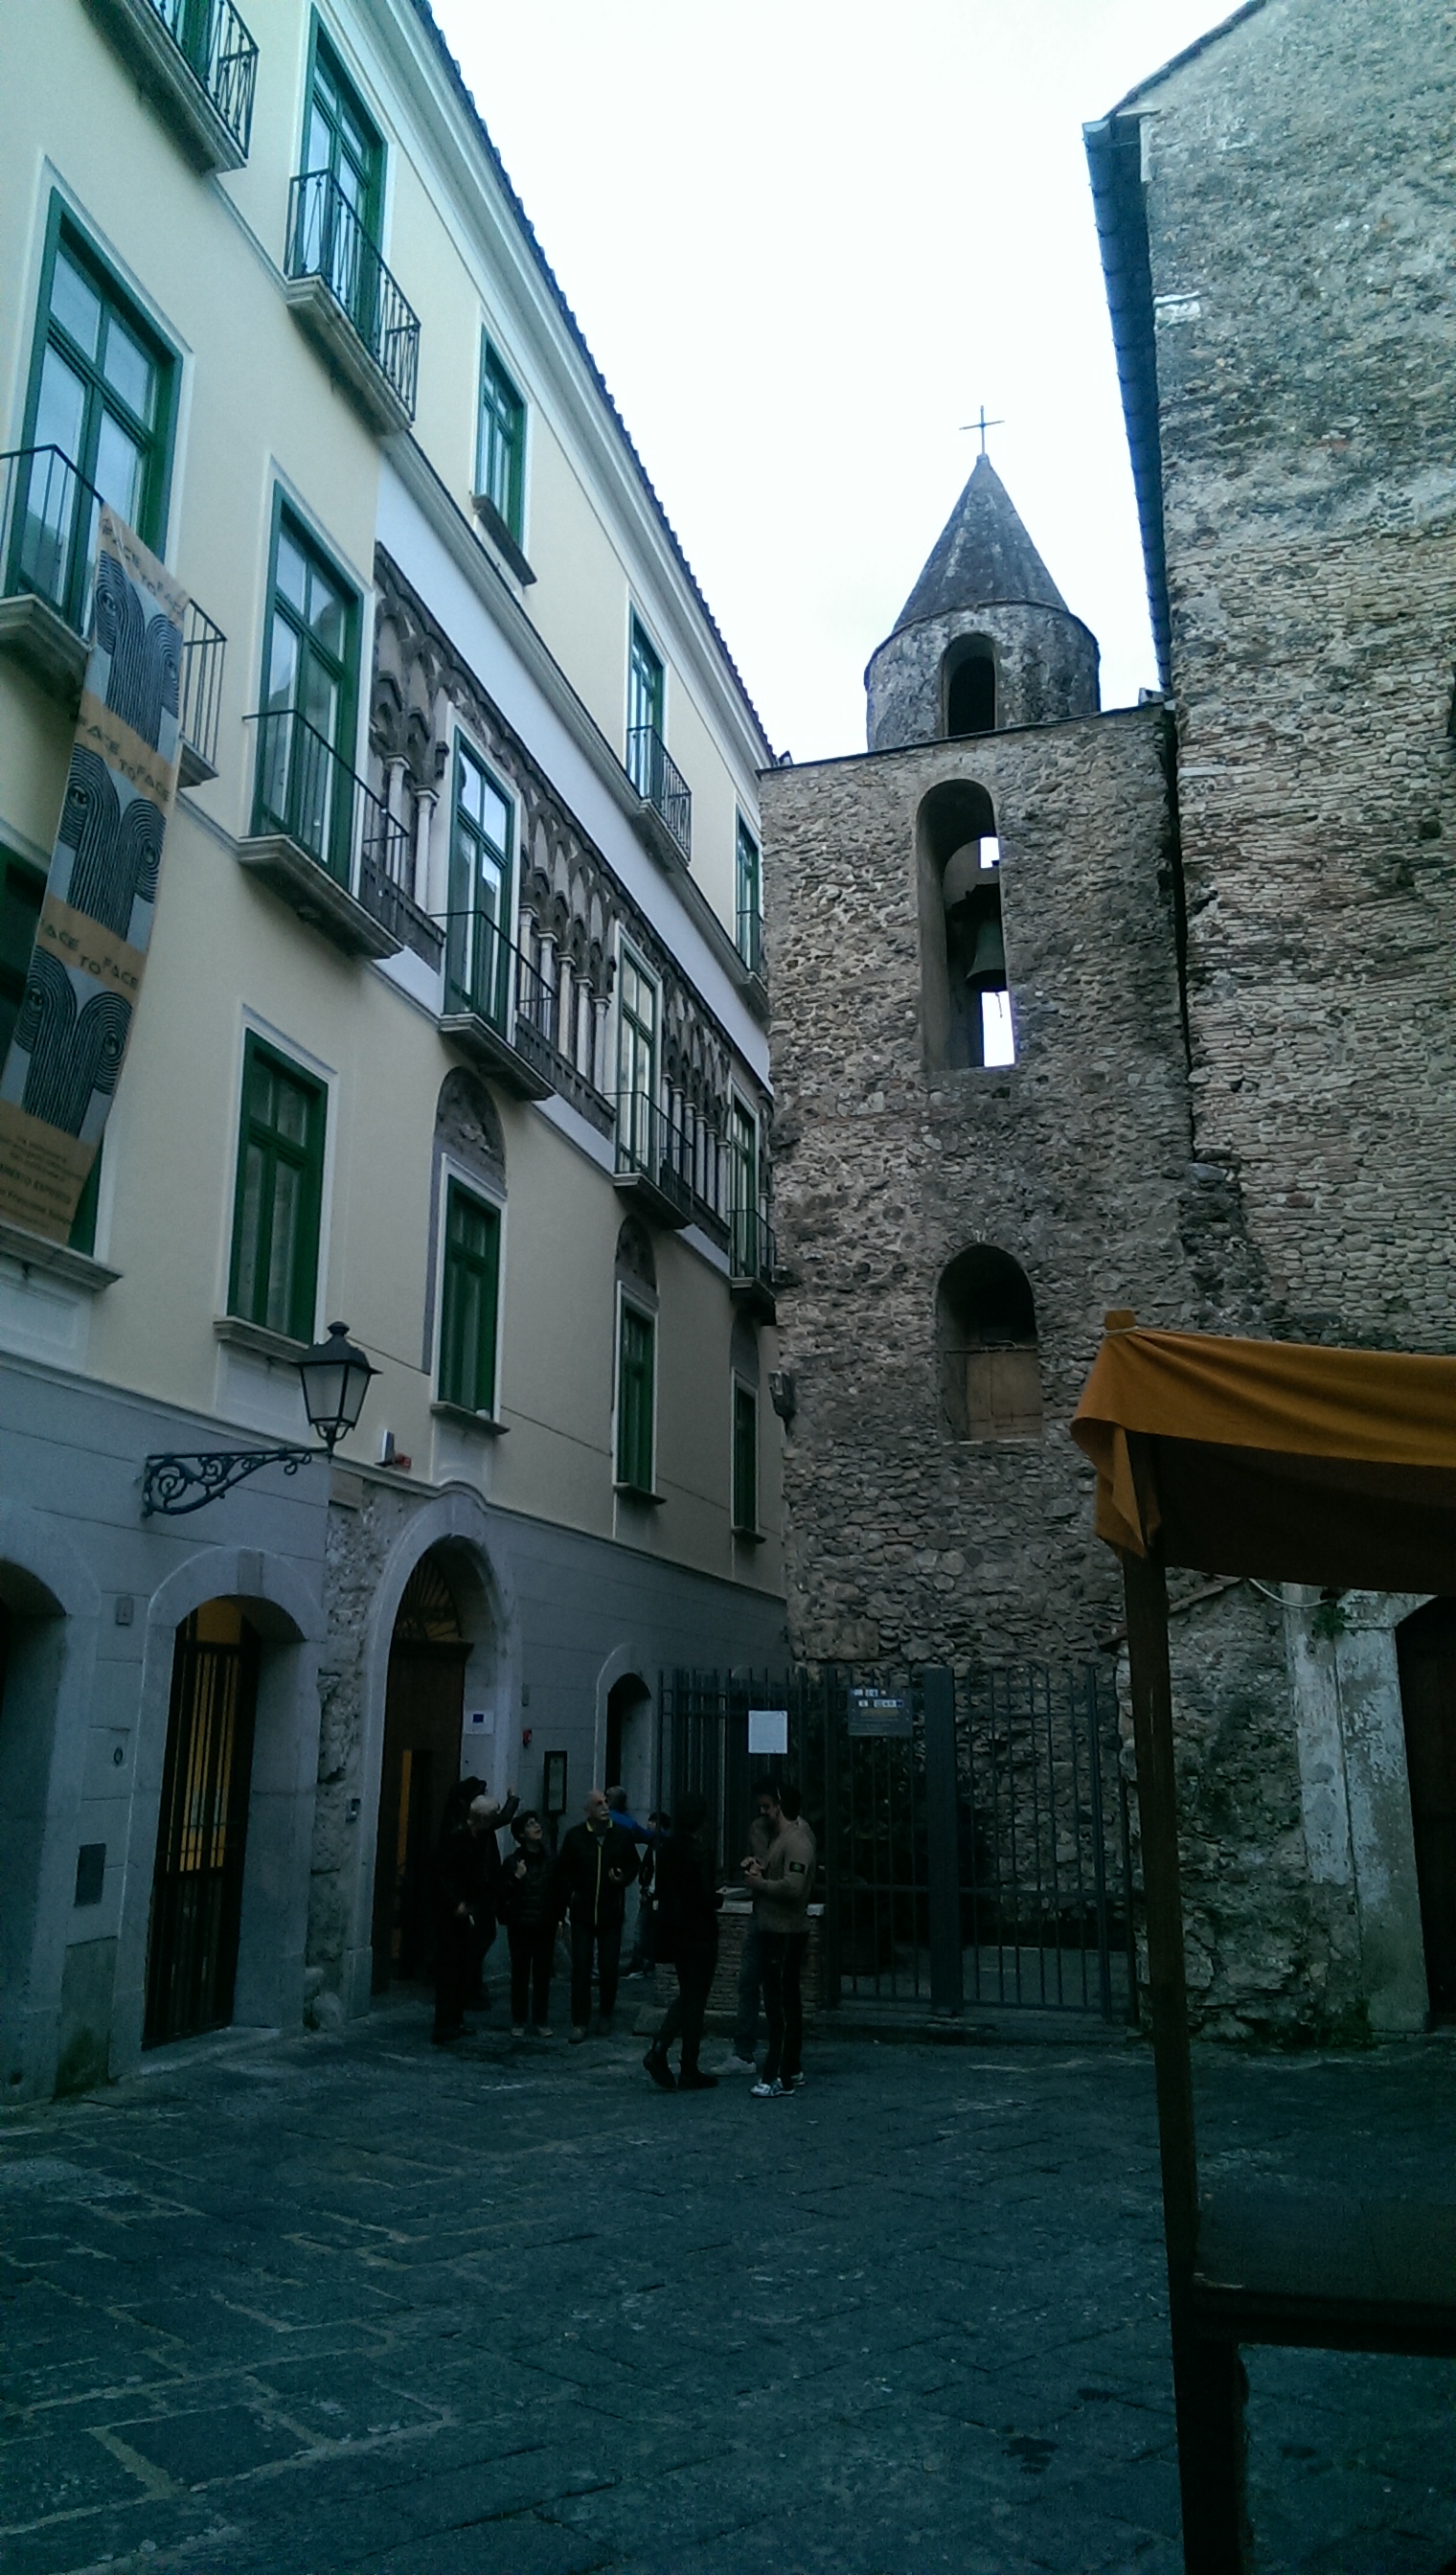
pixel 982 424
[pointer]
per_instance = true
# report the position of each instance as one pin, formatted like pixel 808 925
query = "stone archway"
pixel 421 1766
pixel 455 1529
pixel 48 1607
pixel 266 1595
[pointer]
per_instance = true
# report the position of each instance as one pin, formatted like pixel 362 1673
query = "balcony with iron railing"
pixel 752 1259
pixel 666 799
pixel 50 516
pixel 197 59
pixel 650 1153
pixel 330 846
pixel 502 1011
pixel 346 298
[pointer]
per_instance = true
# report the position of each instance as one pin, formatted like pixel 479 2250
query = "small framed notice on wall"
pixel 554 1783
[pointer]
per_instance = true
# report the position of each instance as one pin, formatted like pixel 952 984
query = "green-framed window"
pixel 746 1458
pixel 22 890
pixel 102 391
pixel 304 784
pixel 478 949
pixel 637 1059
pixel 341 137
pixel 637 1336
pixel 280 1193
pixel 750 896
pixel 470 1300
pixel 646 687
pixel 645 682
pixel 501 448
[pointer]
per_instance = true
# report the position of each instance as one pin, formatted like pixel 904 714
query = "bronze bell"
pixel 987 968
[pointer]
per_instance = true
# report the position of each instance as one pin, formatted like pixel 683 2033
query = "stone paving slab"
pixel 349 2305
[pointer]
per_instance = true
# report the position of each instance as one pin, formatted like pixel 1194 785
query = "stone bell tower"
pixel 986 640
pixel 982 1130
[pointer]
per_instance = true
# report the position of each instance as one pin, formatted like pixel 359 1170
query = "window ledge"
pixel 257 1337
pixel 750 1537
pixel 484 1422
pixel 637 1493
pixel 37 1251
pixel 501 536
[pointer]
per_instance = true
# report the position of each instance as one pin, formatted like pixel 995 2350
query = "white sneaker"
pixel 796 2083
pixel 733 2064
pixel 773 2091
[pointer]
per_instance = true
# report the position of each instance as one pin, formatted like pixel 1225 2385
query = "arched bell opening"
pixel 968 687
pixel 966 993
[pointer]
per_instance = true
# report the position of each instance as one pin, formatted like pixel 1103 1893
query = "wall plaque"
pixel 885 1712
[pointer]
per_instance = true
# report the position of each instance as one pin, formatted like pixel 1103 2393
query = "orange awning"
pixel 1274 1459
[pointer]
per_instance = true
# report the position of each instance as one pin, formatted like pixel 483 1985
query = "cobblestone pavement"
pixel 350 2303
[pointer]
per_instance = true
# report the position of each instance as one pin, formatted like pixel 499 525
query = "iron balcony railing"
pixel 305 791
pixel 750 940
pixel 49 518
pixel 220 55
pixel 752 1251
pixel 487 975
pixel 649 1144
pixel 326 239
pixel 660 783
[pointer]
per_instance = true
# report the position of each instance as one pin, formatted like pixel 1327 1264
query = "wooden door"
pixel 424 1710
pixel 202 1831
pixel 1427 1648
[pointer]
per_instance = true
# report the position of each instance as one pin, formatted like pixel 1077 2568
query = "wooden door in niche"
pixel 424 1714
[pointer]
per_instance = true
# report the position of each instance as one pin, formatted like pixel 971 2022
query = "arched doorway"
pixel 423 1714
pixel 202 1829
pixel 629 1752
pixel 1426 1645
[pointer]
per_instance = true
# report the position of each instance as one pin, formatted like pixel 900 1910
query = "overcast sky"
pixel 806 240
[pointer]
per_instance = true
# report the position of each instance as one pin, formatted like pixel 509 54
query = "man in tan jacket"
pixel 782 1884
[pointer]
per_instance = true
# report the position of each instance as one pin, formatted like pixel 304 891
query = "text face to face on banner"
pixel 74 1017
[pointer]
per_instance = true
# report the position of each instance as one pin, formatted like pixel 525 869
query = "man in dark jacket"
pixel 595 1865
pixel 466 1874
pixel 688 1909
pixel 527 1903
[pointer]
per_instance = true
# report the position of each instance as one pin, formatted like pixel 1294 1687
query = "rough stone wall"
pixel 1299 207
pixel 1047 669
pixel 360 1538
pixel 903 1542
pixel 1270 1952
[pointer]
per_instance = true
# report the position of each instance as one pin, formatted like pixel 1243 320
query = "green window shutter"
pixel 103 393
pixel 635 1399
pixel 341 137
pixel 469 1302
pixel 501 464
pixel 279 1198
pixel 750 897
pixel 745 1456
pixel 479 944
pixel 304 786
pixel 22 890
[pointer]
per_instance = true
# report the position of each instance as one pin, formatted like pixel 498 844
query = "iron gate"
pixel 973 1830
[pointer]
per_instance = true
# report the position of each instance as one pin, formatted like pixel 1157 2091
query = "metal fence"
pixel 972 1828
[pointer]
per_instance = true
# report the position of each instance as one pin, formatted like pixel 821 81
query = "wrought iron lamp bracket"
pixel 173 1484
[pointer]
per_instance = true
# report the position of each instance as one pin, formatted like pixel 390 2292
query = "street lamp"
pixel 334 1376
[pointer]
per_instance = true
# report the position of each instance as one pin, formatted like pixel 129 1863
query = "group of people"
pixel 585 1883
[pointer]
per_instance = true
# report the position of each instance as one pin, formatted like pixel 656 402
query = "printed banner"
pixel 69 1037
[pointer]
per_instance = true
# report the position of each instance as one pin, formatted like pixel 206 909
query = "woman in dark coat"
pixel 688 1909
pixel 525 1902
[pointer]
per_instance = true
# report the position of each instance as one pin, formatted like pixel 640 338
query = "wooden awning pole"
pixel 1207 2376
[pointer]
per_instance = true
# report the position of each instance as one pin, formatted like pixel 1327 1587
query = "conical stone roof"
pixel 982 556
